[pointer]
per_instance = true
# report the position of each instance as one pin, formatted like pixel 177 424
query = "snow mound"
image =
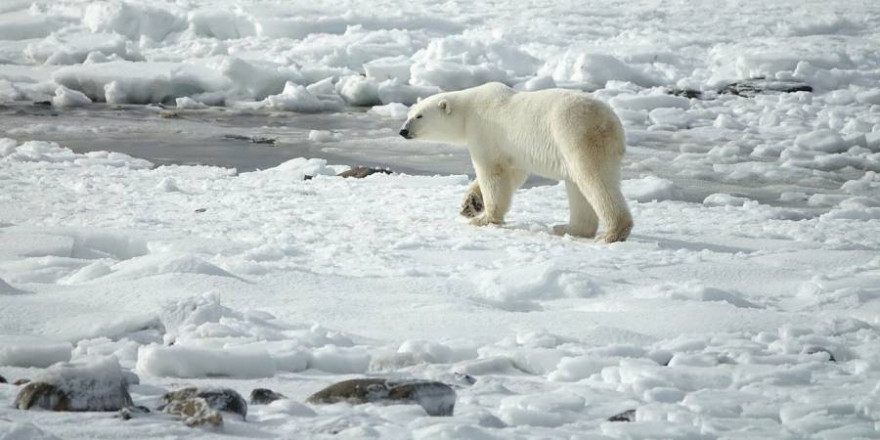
pixel 595 70
pixel 517 288
pixel 133 19
pixel 6 289
pixel 395 110
pixel 249 344
pixel 549 410
pixel 720 199
pixel 44 153
pixel 80 48
pixel 189 362
pixel 221 24
pixel 697 292
pixel 650 188
pixel 187 314
pixel 455 63
pixel 31 351
pixel 649 102
pixel 65 97
pixel 297 98
pixel 324 136
pixel 298 168
pixel 165 264
pixel 826 141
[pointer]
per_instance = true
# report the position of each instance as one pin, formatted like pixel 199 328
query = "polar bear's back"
pixel 571 115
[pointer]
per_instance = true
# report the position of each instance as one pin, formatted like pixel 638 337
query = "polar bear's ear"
pixel 418 99
pixel 444 105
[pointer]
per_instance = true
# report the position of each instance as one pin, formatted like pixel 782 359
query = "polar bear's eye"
pixel 419 117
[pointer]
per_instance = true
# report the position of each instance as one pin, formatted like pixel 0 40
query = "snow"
pixel 650 188
pixel 753 262
pixel 22 431
pixel 395 110
pixel 65 97
pixel 30 351
pixel 186 362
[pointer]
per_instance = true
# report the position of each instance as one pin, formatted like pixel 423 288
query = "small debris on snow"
pixel 626 416
pixel 251 139
pixel 360 172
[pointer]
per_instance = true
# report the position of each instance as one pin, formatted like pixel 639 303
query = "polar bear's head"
pixel 434 119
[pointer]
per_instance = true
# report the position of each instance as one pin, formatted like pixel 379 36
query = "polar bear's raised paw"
pixel 472 205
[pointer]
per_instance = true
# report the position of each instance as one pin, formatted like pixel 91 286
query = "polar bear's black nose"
pixel 405 133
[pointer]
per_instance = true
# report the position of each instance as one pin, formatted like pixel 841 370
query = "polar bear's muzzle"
pixel 406 131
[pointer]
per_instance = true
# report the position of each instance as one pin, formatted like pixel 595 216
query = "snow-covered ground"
pixel 744 305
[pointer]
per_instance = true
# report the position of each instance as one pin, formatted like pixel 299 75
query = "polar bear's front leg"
pixel 497 185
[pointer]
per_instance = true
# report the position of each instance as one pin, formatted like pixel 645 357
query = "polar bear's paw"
pixel 472 205
pixel 484 220
pixel 618 233
pixel 575 232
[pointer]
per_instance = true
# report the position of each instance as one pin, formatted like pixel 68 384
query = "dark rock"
pixel 438 399
pixel 814 350
pixel 251 139
pixel 221 399
pixel 194 411
pixel 201 210
pixel 626 416
pixel 308 177
pixel 361 172
pixel 263 140
pixel 264 396
pixel 43 103
pixel 129 412
pixel 472 205
pixel 3 379
pixel 687 93
pixel 169 115
pixel 20 382
pixel 94 385
pixel 751 87
pixel 42 395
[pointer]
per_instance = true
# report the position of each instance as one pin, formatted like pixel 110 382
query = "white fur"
pixel 559 134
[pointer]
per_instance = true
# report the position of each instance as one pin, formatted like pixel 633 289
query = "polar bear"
pixel 559 134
